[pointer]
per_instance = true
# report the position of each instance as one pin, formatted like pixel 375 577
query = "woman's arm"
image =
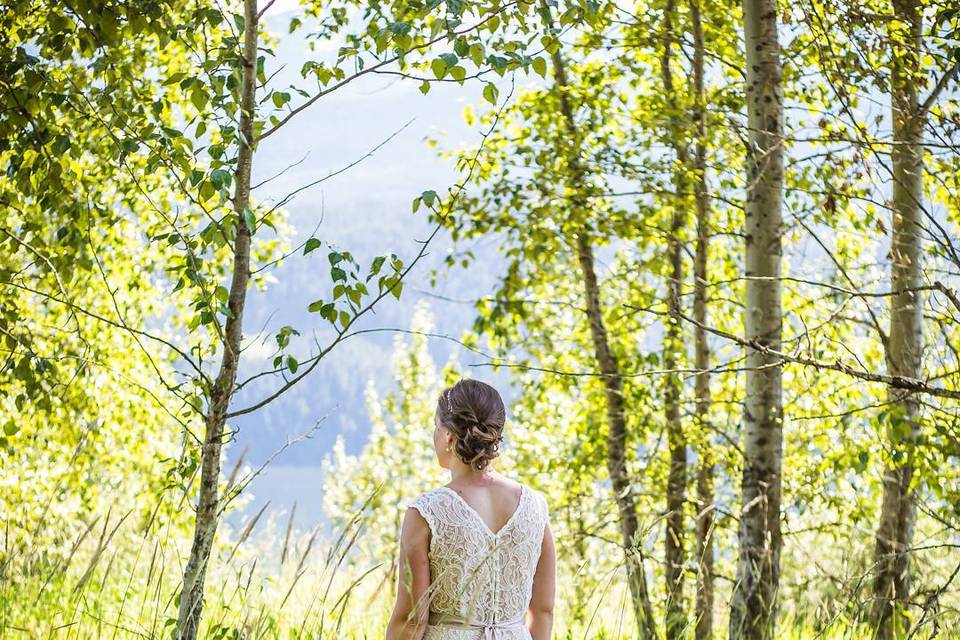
pixel 544 589
pixel 413 580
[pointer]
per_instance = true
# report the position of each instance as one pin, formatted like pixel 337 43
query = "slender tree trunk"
pixel 616 443
pixel 674 618
pixel 705 523
pixel 581 591
pixel 705 509
pixel 895 530
pixel 754 601
pixel 608 365
pixel 205 528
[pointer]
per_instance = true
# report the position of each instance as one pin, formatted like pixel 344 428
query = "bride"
pixel 477 558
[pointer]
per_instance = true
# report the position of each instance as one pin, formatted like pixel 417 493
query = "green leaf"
pixel 540 66
pixel 399 28
pixel 490 93
pixel 476 54
pixel 376 266
pixel 292 364
pixel 311 244
pixel 175 78
pixel 220 178
pixel 315 306
pixel 439 68
pixel 250 220
pixel 429 197
pixel 354 296
pixel 199 97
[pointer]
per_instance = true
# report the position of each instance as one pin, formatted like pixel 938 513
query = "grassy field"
pixel 273 583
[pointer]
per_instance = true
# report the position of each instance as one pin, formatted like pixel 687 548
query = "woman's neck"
pixel 465 474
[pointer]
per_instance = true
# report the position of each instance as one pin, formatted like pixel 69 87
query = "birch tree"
pixel 892 584
pixel 753 607
pixel 608 365
pixel 704 522
pixel 555 221
pixel 895 35
pixel 673 341
pixel 221 390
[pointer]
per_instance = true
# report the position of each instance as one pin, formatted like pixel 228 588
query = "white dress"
pixel 480 580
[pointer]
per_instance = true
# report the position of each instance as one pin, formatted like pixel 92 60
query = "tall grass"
pixel 119 579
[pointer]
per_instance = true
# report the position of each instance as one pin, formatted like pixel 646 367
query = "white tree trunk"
pixel 753 605
pixel 703 629
pixel 895 530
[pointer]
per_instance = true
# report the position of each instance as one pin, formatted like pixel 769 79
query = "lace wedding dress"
pixel 481 580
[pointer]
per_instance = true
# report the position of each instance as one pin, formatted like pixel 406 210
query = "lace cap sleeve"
pixel 423 505
pixel 542 507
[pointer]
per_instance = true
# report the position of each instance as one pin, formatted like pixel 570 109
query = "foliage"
pixel 120 145
pixel 378 479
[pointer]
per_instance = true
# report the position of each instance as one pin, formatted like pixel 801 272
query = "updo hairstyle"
pixel 473 411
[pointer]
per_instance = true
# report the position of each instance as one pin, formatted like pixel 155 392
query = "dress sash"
pixel 491 630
